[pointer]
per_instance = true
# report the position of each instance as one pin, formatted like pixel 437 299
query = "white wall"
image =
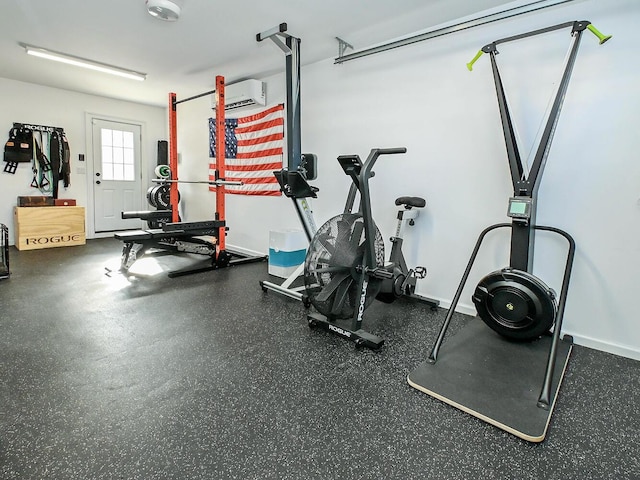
pixel 28 103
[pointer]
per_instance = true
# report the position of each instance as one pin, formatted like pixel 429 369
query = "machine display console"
pixel 520 208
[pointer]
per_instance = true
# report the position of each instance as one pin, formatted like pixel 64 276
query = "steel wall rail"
pixel 483 20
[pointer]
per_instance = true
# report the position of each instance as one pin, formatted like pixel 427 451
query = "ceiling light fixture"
pixel 163 9
pixel 83 62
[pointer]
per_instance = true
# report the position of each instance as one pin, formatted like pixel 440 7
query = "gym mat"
pixel 494 379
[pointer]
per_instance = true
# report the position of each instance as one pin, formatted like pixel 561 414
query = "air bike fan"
pixel 333 266
pixel 494 374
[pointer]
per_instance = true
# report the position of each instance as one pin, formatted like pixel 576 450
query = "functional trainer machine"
pixel 345 268
pixel 301 167
pixel 204 237
pixel 493 374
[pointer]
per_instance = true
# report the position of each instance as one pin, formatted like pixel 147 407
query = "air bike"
pixel 494 373
pixel 345 267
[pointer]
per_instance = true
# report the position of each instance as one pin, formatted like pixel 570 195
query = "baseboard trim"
pixel 578 339
pixel 245 251
pixel 613 348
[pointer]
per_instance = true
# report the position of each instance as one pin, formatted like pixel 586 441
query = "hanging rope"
pixel 41 167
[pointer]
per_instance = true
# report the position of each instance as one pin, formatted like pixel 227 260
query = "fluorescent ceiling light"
pixel 83 62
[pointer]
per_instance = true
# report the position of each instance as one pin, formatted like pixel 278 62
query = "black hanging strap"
pixel 60 160
pixel 55 158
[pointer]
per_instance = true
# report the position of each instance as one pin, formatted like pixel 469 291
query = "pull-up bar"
pixel 176 102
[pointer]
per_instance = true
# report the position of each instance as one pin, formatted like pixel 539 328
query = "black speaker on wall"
pixel 163 152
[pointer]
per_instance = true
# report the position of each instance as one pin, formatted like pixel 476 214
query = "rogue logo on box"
pixel 53 239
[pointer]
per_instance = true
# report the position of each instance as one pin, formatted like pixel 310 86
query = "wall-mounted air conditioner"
pixel 246 93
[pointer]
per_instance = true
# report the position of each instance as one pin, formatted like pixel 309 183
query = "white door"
pixel 117 180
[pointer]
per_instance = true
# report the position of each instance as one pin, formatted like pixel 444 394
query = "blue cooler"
pixel 287 249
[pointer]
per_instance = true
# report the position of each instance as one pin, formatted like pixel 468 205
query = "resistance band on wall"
pixel 46 149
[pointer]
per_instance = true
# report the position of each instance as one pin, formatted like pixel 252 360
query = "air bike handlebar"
pixel 373 156
pixel 577 26
pixel 389 151
pixel 361 172
pixel 375 153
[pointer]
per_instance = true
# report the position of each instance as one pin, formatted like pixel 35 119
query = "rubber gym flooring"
pixel 207 377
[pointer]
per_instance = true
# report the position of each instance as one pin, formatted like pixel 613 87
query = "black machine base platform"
pixel 494 379
pixel 360 337
pixel 231 257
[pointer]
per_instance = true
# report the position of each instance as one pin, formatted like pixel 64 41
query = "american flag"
pixel 253 150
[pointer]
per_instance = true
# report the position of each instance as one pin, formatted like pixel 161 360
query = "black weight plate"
pixel 161 196
pixel 516 304
pixel 151 196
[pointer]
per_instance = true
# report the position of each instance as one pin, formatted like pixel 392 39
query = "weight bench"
pixel 138 242
pixel 186 237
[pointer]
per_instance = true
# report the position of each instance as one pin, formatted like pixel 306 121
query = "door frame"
pixel 90 170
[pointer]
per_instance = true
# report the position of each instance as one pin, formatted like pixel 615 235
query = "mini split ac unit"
pixel 247 93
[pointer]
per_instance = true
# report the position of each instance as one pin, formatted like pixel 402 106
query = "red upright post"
pixel 220 160
pixel 173 157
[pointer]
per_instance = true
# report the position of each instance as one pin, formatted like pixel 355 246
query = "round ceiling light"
pixel 163 9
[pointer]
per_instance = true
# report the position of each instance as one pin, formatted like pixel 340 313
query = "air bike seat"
pixel 410 202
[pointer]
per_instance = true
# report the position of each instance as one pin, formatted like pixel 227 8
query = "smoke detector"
pixel 163 10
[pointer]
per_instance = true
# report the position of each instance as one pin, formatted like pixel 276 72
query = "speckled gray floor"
pixel 206 377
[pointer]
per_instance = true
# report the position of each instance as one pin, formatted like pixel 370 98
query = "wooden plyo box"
pixel 48 227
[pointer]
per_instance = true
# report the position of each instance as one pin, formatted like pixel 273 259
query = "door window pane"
pixel 107 136
pixel 128 156
pixel 127 140
pixel 117 138
pixel 117 151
